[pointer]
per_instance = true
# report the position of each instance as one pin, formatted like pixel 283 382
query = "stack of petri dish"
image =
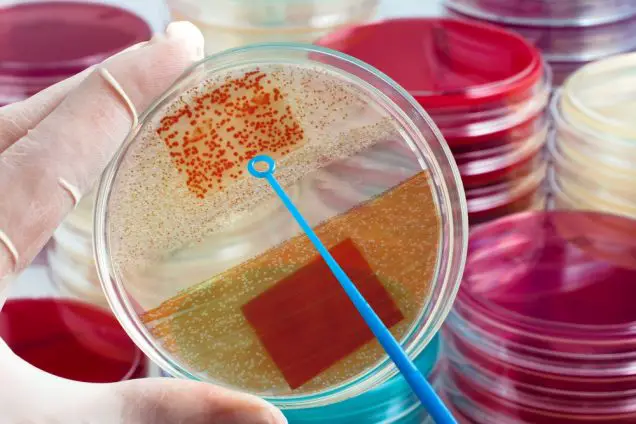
pixel 593 147
pixel 42 43
pixel 487 90
pixel 392 402
pixel 233 23
pixel 543 327
pixel 570 33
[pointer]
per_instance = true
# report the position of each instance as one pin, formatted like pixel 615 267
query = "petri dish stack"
pixel 392 402
pixel 593 148
pixel 542 330
pixel 570 33
pixel 233 23
pixel 42 43
pixel 208 272
pixel 487 90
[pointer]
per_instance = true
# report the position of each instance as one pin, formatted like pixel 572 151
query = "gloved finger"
pixel 44 173
pixel 18 118
pixel 34 396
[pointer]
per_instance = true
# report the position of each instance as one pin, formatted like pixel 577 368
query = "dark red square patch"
pixel 307 323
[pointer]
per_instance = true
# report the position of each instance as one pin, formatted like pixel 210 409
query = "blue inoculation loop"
pixel 263 166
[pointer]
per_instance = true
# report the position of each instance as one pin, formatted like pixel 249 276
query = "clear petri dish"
pixel 600 98
pixel 248 316
pixel 546 13
pixel 70 339
pixel 231 23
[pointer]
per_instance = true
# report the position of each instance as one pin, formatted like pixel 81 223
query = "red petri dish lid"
pixel 565 275
pixel 70 339
pixel 52 38
pixel 445 63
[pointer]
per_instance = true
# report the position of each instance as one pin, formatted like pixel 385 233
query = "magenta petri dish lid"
pixel 445 63
pixel 62 38
pixel 70 339
pixel 564 275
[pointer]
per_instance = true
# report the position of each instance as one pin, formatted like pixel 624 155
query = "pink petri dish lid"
pixel 453 66
pixel 70 339
pixel 50 40
pixel 556 280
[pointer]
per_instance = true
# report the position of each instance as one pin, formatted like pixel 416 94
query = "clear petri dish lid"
pixel 545 12
pixel 454 66
pixel 600 98
pixel 561 278
pixel 46 39
pixel 208 272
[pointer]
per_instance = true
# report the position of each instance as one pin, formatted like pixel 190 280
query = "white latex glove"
pixel 52 148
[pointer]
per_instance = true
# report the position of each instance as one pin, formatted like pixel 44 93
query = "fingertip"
pixel 190 35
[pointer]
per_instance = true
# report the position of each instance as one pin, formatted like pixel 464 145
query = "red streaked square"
pixel 307 323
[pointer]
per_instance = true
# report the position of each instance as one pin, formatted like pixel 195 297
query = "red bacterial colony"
pixel 307 323
pixel 212 137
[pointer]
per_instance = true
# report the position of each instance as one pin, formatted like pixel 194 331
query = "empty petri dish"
pixel 208 272
pixel 70 339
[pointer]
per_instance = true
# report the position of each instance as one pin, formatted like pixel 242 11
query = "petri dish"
pixel 234 23
pixel 506 162
pixel 70 339
pixel 599 97
pixel 83 34
pixel 454 65
pixel 545 12
pixel 540 247
pixel 491 202
pixel 208 273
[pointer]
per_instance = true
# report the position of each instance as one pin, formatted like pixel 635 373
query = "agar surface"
pixel 397 234
pixel 213 136
pixel 307 323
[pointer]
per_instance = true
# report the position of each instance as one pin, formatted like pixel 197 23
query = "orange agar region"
pixel 212 136
pixel 307 323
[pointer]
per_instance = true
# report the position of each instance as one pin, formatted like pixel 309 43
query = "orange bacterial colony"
pixel 213 137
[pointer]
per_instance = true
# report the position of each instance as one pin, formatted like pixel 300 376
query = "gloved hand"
pixel 53 147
